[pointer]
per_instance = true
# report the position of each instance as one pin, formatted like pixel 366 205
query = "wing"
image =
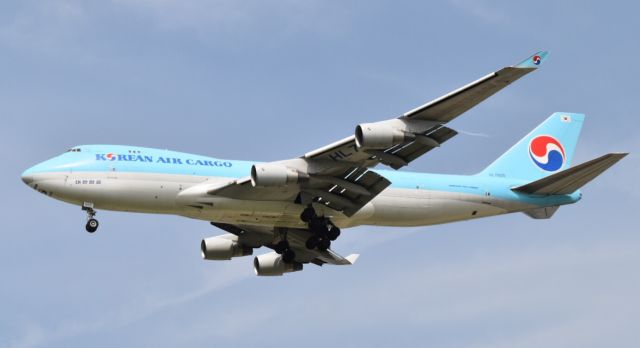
pixel 424 126
pixel 395 156
pixel 338 175
pixel 257 236
pixel 343 189
pixel 452 105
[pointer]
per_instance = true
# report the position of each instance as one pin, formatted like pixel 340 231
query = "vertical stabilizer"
pixel 548 149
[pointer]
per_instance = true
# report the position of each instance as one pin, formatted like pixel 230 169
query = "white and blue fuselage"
pixel 145 180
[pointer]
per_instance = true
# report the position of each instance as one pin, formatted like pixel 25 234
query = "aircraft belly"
pixel 403 207
pixel 134 192
pixel 161 193
pixel 232 211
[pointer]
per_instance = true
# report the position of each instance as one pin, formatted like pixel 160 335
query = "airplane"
pixel 298 206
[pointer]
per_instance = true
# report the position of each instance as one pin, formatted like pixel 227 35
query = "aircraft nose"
pixel 26 177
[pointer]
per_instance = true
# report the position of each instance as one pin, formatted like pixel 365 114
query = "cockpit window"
pixel 75 149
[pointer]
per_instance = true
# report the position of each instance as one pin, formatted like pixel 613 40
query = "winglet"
pixel 352 258
pixel 534 61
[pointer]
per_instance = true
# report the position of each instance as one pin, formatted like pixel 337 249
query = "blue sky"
pixel 270 80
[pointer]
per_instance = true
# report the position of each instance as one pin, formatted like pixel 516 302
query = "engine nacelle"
pixel 269 174
pixel 379 135
pixel 223 248
pixel 271 264
pixel 385 134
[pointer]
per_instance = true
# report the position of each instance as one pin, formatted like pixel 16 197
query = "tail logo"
pixel 547 153
pixel 536 59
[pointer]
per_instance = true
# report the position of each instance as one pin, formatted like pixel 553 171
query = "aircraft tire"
pixel 333 233
pixel 318 226
pixel 288 256
pixel 324 244
pixel 307 214
pixel 92 225
pixel 312 242
pixel 281 247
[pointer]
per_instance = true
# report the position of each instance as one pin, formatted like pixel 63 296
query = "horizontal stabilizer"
pixel 570 180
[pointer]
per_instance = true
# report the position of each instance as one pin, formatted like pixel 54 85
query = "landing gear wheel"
pixel 307 214
pixel 312 242
pixel 324 244
pixel 281 247
pixel 333 233
pixel 288 256
pixel 318 226
pixel 92 225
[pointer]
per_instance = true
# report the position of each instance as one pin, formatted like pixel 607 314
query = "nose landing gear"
pixel 92 223
pixel 323 230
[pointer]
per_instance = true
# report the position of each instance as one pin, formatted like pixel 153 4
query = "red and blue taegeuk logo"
pixel 537 59
pixel 547 153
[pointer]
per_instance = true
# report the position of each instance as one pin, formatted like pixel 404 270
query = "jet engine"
pixel 378 135
pixel 271 264
pixel 270 174
pixel 385 134
pixel 223 248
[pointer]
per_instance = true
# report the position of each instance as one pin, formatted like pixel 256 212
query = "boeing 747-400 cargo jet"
pixel 298 206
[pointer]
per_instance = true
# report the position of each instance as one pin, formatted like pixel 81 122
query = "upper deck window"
pixel 75 149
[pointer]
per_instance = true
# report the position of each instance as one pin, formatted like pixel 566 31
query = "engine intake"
pixel 268 174
pixel 223 248
pixel 271 264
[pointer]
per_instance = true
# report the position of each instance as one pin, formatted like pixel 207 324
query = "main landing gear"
pixel 322 229
pixel 92 223
pixel 283 249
